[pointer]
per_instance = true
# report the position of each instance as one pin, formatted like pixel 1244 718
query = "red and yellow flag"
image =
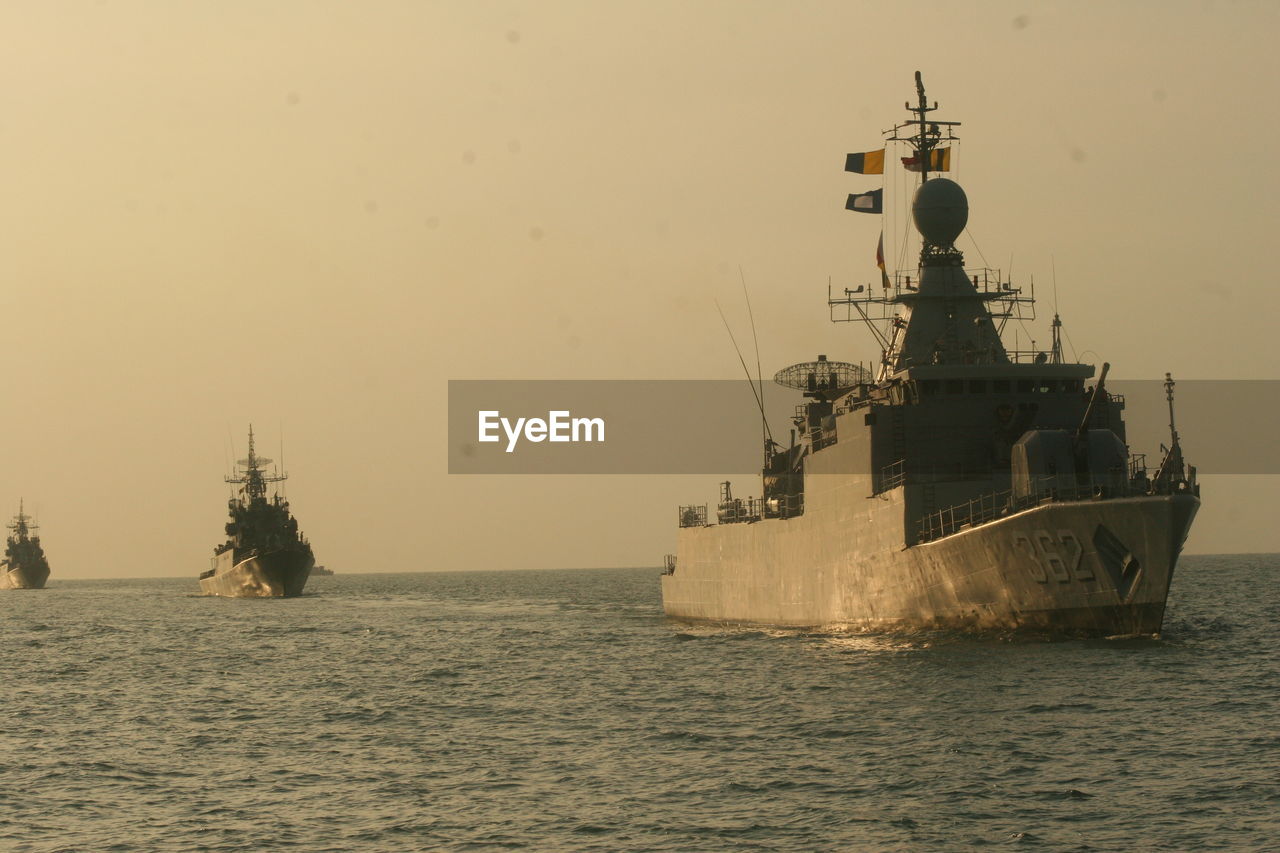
pixel 884 276
pixel 939 161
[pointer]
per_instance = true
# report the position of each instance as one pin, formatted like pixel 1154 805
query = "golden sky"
pixel 311 215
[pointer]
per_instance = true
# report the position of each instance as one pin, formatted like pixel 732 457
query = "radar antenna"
pixel 252 480
pixel 19 525
pixel 822 378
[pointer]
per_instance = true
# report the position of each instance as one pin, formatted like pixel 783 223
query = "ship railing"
pixel 743 510
pixel 693 516
pixel 984 279
pixel 1137 466
pixel 740 510
pixel 995 505
pixel 1028 356
pixel 921 473
pixel 784 506
pixel 971 513
pixel 669 564
pixel 891 476
pixel 823 438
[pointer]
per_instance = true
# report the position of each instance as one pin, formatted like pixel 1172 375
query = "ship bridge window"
pixel 1000 386
pixel 955 386
pixel 977 386
pixel 1025 386
pixel 1047 386
pixel 1072 385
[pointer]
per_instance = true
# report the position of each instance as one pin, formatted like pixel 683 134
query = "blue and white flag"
pixel 872 202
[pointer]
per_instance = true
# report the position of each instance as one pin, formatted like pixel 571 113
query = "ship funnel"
pixel 940 210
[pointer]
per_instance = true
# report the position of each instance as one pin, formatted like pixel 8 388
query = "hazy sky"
pixel 311 215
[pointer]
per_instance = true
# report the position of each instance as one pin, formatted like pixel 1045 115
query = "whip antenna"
pixel 765 435
pixel 745 369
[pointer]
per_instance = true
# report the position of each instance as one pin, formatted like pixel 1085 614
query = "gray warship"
pixel 956 485
pixel 24 565
pixel 264 555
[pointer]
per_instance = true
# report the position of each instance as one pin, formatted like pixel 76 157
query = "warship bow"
pixel 956 484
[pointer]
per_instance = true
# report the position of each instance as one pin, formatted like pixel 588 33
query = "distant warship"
pixel 24 565
pixel 321 571
pixel 264 555
pixel 955 485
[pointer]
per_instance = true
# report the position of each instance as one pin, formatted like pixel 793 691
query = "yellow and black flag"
pixel 939 161
pixel 869 163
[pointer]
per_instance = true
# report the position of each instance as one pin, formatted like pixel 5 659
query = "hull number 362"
pixel 1054 556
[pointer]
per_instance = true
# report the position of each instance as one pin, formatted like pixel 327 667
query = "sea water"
pixel 559 710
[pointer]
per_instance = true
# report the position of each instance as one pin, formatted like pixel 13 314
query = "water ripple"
pixel 561 711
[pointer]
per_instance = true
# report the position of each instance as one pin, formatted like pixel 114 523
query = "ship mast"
pixel 924 144
pixel 253 482
pixel 927 132
pixel 947 314
pixel 1172 468
pixel 19 525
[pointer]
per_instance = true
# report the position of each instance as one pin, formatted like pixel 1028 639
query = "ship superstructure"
pixel 954 484
pixel 24 565
pixel 264 555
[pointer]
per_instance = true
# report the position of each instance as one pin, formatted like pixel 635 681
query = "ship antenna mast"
pixel 253 481
pixel 750 382
pixel 766 437
pixel 924 144
pixel 1172 468
pixel 1056 326
pixel 926 133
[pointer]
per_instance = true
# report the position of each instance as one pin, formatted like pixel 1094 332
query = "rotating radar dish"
pixel 830 377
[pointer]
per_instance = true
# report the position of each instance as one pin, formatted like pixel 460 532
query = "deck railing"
pixel 739 510
pixel 693 516
pixel 892 476
pixel 784 506
pixel 989 507
pixel 743 510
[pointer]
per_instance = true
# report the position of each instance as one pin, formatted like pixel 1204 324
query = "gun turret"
pixel 1098 393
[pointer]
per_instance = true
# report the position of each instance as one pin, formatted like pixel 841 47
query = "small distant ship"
pixel 962 485
pixel 24 565
pixel 264 556
pixel 321 571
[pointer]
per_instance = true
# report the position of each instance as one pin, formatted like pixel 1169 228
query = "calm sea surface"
pixel 559 711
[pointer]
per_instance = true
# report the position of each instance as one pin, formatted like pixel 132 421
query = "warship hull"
pixel 958 486
pixel 23 577
pixel 1075 568
pixel 278 574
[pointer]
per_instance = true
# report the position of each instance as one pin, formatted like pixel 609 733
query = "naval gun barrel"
pixel 1093 402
